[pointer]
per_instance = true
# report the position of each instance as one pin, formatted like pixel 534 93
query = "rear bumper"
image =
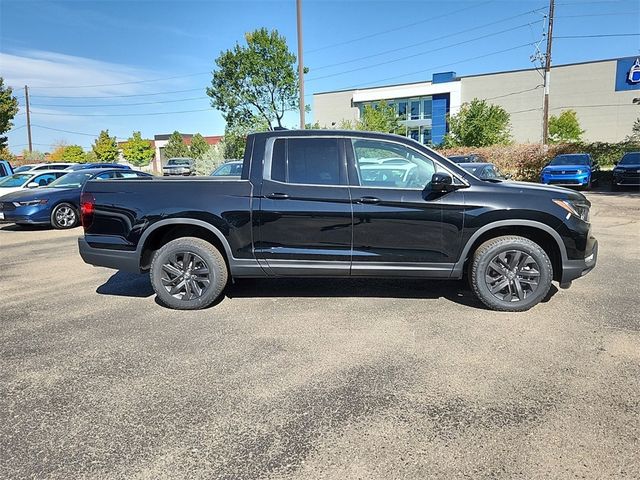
pixel 573 269
pixel 127 261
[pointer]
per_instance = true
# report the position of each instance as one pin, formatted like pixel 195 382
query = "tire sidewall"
pixel 211 257
pixel 55 224
pixel 526 246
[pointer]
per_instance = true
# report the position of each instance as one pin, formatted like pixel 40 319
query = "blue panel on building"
pixel 439 112
pixel 443 77
pixel 628 74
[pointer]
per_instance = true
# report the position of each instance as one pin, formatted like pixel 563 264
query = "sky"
pixel 126 65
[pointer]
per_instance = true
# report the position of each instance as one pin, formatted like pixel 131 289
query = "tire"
pixel 64 216
pixel 168 271
pixel 614 187
pixel 493 266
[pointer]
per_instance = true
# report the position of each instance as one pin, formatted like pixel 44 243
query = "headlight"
pixel 30 203
pixel 579 172
pixel 575 208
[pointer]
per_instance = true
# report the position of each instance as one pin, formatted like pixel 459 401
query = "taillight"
pixel 87 207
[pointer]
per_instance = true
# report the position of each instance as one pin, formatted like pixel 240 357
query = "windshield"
pixel 23 168
pixel 230 169
pixel 570 160
pixel 178 161
pixel 630 159
pixel 15 180
pixel 71 180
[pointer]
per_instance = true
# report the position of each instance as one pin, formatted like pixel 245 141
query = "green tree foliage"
pixel 176 147
pixel 33 156
pixel 635 132
pixel 256 80
pixel 137 150
pixel 8 110
pixel 105 147
pixel 211 159
pixel 235 136
pixel 380 117
pixel 478 124
pixel 73 153
pixel 565 128
pixel 199 146
pixel 5 154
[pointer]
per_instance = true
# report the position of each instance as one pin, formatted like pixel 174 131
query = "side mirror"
pixel 441 182
pixel 33 185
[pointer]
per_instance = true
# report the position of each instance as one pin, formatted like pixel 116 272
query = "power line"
pixel 69 131
pixel 431 40
pixel 119 114
pixel 119 96
pixel 127 83
pixel 395 29
pixel 603 35
pixel 121 104
pixel 514 93
pixel 421 53
pixel 368 83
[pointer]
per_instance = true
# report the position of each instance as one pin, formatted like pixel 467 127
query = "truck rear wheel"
pixel 188 273
pixel 511 273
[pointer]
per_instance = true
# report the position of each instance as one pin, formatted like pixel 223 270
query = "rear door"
pixel 305 218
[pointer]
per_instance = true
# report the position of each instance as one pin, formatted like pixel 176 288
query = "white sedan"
pixel 24 180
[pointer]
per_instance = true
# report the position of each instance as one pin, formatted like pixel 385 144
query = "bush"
pixel 211 159
pixel 525 161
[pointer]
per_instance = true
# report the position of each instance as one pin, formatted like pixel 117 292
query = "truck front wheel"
pixel 510 273
pixel 188 273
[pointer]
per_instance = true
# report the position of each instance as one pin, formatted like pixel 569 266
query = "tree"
pixel 8 110
pixel 176 147
pixel 137 150
pixel 211 159
pixel 34 156
pixel 105 147
pixel 635 132
pixel 256 80
pixel 198 146
pixel 5 154
pixel 565 127
pixel 235 136
pixel 73 153
pixel 380 117
pixel 57 149
pixel 478 124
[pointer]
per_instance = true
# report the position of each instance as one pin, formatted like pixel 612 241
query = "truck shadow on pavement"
pixel 457 291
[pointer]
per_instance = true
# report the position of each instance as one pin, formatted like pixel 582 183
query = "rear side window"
pixel 312 161
pixel 3 171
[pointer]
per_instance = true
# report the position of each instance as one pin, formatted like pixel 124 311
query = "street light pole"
pixel 300 61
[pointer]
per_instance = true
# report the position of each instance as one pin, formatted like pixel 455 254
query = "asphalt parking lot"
pixel 318 378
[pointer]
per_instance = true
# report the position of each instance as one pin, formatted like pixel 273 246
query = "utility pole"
pixel 26 99
pixel 547 77
pixel 300 61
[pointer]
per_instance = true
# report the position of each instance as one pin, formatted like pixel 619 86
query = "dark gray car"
pixel 179 166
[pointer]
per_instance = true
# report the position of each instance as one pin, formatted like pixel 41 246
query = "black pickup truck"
pixel 336 204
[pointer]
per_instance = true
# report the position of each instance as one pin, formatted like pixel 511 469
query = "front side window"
pixel 45 179
pixel 390 165
pixel 311 161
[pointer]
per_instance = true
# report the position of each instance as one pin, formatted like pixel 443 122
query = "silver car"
pixel 179 166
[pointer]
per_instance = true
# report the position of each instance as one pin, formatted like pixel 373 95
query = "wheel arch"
pixel 545 236
pixel 167 230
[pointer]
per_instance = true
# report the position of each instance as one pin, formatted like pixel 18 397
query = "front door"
pixel 305 215
pixel 397 229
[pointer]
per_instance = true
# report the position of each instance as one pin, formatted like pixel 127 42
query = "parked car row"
pixel 52 197
pixel 566 170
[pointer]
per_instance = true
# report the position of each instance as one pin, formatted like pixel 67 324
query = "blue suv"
pixel 569 170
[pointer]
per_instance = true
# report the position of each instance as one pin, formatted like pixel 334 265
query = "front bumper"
pixel 128 261
pixel 27 215
pixel 574 269
pixel 566 180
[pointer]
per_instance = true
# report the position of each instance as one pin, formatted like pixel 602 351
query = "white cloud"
pixel 46 71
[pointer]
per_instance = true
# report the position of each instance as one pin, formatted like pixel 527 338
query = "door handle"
pixel 369 200
pixel 277 196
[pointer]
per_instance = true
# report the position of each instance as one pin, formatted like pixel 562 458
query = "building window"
pixel 402 109
pixel 426 107
pixel 415 109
